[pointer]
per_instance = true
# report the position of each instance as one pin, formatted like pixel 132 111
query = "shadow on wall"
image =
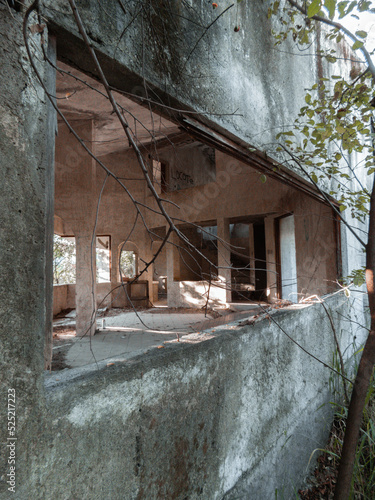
pixel 64 296
pixel 195 293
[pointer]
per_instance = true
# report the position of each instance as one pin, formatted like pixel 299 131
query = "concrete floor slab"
pixel 128 334
pixel 124 334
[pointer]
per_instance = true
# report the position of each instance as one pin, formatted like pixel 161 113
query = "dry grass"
pixel 325 474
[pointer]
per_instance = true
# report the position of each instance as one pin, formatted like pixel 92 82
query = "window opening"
pixel 103 259
pixel 240 261
pixel 159 171
pixel 128 264
pixel 260 260
pixel 64 260
pixel 192 264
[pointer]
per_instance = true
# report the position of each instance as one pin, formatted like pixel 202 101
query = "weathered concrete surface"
pixel 64 296
pixel 25 194
pixel 227 72
pixel 195 294
pixel 189 420
pixel 235 416
pixel 60 298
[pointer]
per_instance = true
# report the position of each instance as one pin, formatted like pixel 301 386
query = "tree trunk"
pixel 362 380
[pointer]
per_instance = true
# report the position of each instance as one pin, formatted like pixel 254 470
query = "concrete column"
pixel 269 227
pixel 149 275
pixel 252 254
pixel 223 257
pixel 288 262
pixel 115 255
pixel 176 258
pixel 173 288
pixel 26 194
pixel 50 82
pixel 146 254
pixel 85 285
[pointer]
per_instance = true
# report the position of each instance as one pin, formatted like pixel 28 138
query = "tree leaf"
pixel 357 45
pixel 341 8
pixel 330 5
pixel 313 8
pixel 361 34
pixel 331 59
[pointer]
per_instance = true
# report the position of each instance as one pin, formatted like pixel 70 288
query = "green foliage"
pixel 357 277
pixel 335 125
pixel 363 481
pixel 64 260
pixel 299 22
pixel 128 264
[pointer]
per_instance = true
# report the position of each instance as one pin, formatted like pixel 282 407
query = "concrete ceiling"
pixel 81 101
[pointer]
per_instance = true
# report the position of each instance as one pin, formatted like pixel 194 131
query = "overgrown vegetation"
pixel 325 473
pixel 333 136
pixel 64 260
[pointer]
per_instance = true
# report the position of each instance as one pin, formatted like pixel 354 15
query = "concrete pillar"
pixel 252 254
pixel 176 251
pixel 50 82
pixel 115 273
pixel 269 227
pixel 76 199
pixel 223 257
pixel 288 262
pixel 85 285
pixel 146 254
pixel 26 195
pixel 173 259
pixel 150 278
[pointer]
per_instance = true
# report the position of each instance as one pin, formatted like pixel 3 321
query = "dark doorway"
pixel 260 261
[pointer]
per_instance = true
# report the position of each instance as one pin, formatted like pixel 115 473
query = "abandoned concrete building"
pixel 237 413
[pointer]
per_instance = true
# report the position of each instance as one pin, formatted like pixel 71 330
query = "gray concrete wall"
pixel 25 194
pixel 245 84
pixel 188 166
pixel 195 294
pixel 233 416
pixel 64 296
pixel 60 296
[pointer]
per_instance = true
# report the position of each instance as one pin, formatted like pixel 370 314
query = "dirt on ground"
pixel 62 339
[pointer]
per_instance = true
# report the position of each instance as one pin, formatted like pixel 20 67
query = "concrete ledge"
pixel 233 415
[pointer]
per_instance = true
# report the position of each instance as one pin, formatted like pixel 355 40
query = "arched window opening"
pixel 103 259
pixel 128 264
